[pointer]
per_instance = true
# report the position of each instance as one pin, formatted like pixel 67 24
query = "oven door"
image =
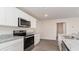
pixel 28 43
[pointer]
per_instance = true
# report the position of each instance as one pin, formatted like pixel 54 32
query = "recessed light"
pixel 46 15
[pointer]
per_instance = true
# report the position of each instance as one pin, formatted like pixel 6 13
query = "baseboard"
pixel 48 39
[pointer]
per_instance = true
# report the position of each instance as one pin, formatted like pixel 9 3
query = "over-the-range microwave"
pixel 23 23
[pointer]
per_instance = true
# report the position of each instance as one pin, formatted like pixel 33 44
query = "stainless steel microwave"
pixel 23 23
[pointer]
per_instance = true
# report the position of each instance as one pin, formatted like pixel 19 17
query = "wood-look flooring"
pixel 46 45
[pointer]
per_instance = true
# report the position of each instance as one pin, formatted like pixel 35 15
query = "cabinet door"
pixel 11 16
pixel 2 16
pixel 33 23
pixel 16 45
pixel 21 14
pixel 37 39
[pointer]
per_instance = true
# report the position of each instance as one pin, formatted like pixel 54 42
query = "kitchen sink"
pixel 69 37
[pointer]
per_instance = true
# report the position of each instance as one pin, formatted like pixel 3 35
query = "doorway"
pixel 61 29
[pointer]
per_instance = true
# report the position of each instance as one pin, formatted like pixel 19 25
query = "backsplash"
pixel 9 29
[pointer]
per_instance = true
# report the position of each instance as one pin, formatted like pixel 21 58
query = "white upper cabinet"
pixel 9 17
pixel 2 16
pixel 28 18
pixel 33 23
pixel 21 14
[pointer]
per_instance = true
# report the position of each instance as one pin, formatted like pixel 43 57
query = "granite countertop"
pixel 8 37
pixel 72 44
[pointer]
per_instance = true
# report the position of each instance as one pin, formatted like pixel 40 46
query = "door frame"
pixel 63 29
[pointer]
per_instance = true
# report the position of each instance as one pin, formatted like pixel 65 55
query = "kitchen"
pixel 9 29
pixel 20 30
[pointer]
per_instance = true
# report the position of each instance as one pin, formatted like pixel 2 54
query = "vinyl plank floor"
pixel 46 45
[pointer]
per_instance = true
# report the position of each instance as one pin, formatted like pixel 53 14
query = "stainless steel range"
pixel 28 39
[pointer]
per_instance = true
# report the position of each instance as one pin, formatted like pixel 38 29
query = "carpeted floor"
pixel 46 45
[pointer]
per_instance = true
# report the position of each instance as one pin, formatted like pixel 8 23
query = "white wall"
pixel 72 24
pixel 9 30
pixel 48 27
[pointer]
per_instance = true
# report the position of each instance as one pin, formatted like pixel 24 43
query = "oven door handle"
pixel 29 36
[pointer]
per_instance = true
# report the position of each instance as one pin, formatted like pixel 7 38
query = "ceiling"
pixel 51 12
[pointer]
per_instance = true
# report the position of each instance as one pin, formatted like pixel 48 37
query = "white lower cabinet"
pixel 36 39
pixel 60 45
pixel 60 38
pixel 16 45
